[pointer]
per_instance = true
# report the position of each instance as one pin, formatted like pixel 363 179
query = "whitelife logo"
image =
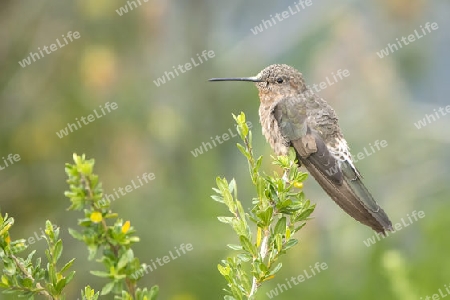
pixel 49 49
pixel 31 240
pixel 108 198
pixel 317 87
pixel 169 75
pixel 159 262
pixel 439 296
pixel 86 120
pixel 391 48
pixel 416 216
pixel 131 4
pixel 266 24
pixel 318 267
pixel 12 158
pixel 205 146
pixel 432 117
pixel 378 145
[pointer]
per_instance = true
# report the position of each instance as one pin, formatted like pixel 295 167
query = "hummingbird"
pixel 292 115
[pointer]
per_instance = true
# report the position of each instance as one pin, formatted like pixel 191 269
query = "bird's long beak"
pixel 252 79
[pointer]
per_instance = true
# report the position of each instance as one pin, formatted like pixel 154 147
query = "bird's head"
pixel 275 79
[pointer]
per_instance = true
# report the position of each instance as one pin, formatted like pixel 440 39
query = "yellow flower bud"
pixel 96 217
pixel 126 227
pixel 298 185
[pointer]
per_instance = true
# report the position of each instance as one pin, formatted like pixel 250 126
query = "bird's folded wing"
pixel 339 181
pixel 292 120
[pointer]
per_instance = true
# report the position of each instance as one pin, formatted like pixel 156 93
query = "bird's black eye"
pixel 280 80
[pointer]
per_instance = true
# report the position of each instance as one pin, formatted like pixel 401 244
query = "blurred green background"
pixel 118 58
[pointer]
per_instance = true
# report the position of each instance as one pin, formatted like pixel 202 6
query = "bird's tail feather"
pixel 360 191
pixel 352 196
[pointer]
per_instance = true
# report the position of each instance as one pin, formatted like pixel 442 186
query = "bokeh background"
pixel 117 58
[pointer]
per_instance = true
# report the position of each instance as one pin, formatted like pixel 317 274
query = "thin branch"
pixel 28 275
pixel 263 252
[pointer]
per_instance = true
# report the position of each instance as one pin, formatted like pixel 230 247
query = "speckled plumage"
pixel 292 115
pixel 320 116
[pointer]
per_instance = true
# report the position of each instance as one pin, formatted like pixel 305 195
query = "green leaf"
pixel 258 163
pixel 235 247
pixel 261 188
pixel 75 234
pixel 291 243
pixel 244 257
pixel 240 226
pixel 217 198
pixel 67 265
pixel 226 220
pixel 4 281
pixel 240 119
pixel 153 293
pixel 278 242
pixel 240 209
pixel 260 268
pixel 232 186
pixel 297 228
pixel 276 269
pixel 280 227
pixel 222 184
pixel 301 177
pixel 57 251
pixel 101 274
pixel 243 130
pixel 292 154
pixel 265 216
pixel 243 151
pixel 70 277
pixel 89 294
pixel 304 214
pixel 52 273
pixel 107 288
pixel 125 259
pixel 248 246
pixel 92 248
pixel 223 270
pixel 27 283
pixel 60 285
pixel 49 230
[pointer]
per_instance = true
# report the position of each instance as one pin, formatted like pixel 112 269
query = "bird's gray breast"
pixel 272 132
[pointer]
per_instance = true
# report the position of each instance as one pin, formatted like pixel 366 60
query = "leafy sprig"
pixel 279 210
pixel 102 229
pixel 26 277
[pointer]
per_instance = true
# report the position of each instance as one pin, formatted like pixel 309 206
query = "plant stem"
pixel 28 275
pixel 263 252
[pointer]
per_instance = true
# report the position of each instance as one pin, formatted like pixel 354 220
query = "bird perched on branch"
pixel 292 115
